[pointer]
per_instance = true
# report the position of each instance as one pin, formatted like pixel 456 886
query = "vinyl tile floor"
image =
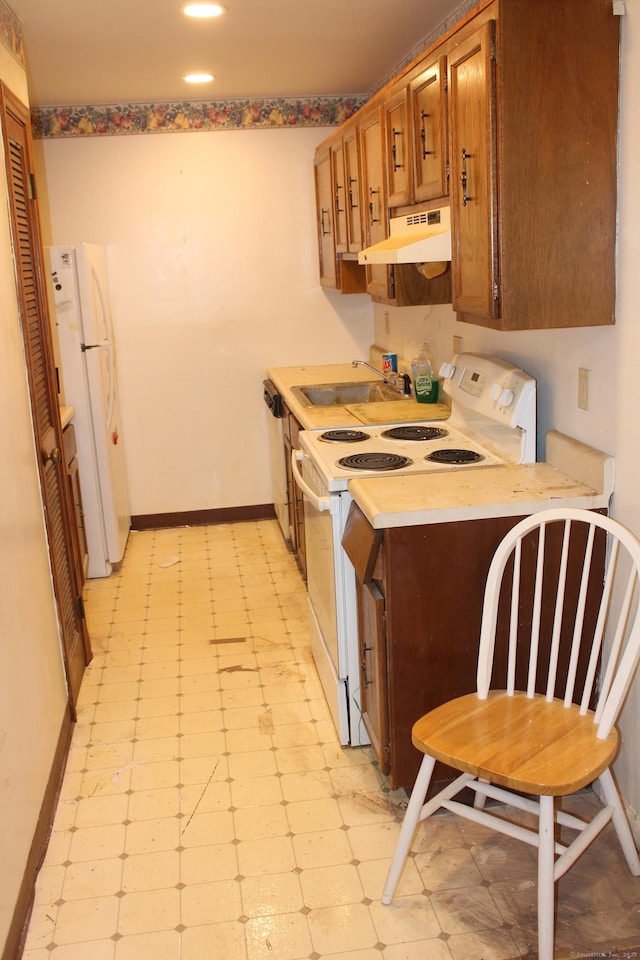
pixel 209 813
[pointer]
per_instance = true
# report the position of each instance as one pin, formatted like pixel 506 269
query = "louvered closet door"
pixel 44 403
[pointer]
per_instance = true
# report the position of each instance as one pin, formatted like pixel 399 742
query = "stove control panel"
pixel 491 388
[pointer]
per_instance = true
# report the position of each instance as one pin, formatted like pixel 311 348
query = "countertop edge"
pixel 383 521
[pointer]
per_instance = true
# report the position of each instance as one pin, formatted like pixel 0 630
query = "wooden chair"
pixel 550 728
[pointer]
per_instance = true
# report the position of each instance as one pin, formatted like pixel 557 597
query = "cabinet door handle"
pixel 339 209
pixel 352 205
pixel 394 150
pixel 423 135
pixel 363 666
pixel 323 228
pixel 372 193
pixel 463 177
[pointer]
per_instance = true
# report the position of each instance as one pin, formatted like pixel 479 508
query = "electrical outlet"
pixel 457 345
pixel 583 388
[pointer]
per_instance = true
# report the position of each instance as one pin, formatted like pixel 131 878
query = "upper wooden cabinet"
pixel 398 148
pixel 533 106
pixel 513 115
pixel 415 115
pixel 429 131
pixel 333 213
pixel 374 197
pixel 324 207
pixel 339 196
pixel 473 171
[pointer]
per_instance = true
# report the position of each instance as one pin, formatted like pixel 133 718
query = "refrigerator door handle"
pixel 108 347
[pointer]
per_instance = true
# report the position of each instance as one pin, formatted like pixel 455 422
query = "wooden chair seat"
pixel 526 744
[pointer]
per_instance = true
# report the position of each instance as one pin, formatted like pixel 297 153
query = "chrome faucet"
pixel 399 382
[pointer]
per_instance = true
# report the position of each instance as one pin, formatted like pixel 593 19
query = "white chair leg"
pixel 620 822
pixel 409 824
pixel 546 884
pixel 480 799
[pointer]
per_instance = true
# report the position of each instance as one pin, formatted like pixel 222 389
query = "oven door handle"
pixel 320 503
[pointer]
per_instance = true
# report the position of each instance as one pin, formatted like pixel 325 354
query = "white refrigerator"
pixel 87 357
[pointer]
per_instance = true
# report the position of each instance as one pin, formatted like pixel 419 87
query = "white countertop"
pixel 66 415
pixel 574 475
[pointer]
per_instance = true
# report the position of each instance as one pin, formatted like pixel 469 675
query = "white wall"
pixel 32 686
pixel 214 272
pixel 611 354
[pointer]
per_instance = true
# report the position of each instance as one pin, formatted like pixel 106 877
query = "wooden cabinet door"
pixel 80 545
pixel 44 402
pixel 429 132
pixel 352 175
pixel 472 158
pixel 339 197
pixel 398 150
pixel 374 198
pixel 324 207
pixel 373 670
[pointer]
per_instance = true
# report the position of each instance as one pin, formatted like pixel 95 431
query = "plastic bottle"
pixel 425 382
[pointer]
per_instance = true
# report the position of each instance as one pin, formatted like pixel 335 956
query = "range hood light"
pixel 422 237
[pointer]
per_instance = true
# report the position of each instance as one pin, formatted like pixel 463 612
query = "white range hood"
pixel 415 238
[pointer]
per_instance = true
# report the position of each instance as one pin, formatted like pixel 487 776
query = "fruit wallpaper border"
pixel 175 117
pixel 11 33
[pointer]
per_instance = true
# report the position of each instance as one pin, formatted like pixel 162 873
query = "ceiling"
pixel 114 51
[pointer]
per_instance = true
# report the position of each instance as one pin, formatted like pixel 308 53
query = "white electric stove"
pixel 492 421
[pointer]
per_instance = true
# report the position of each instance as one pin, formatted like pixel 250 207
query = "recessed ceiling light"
pixel 198 77
pixel 203 9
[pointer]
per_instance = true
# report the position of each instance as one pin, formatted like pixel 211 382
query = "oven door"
pixel 324 585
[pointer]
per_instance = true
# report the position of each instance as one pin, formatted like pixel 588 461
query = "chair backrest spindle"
pixel 537 610
pixel 558 613
pixel 513 620
pixel 579 620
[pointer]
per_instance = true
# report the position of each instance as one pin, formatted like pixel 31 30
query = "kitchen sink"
pixel 341 394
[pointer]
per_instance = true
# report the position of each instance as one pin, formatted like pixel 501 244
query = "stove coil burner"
pixel 453 456
pixel 374 461
pixel 415 432
pixel 344 436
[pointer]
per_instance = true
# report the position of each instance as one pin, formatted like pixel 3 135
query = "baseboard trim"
pixel 199 518
pixel 19 925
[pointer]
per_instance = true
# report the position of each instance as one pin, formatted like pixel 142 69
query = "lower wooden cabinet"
pixel 420 593
pixel 295 501
pixel 81 549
